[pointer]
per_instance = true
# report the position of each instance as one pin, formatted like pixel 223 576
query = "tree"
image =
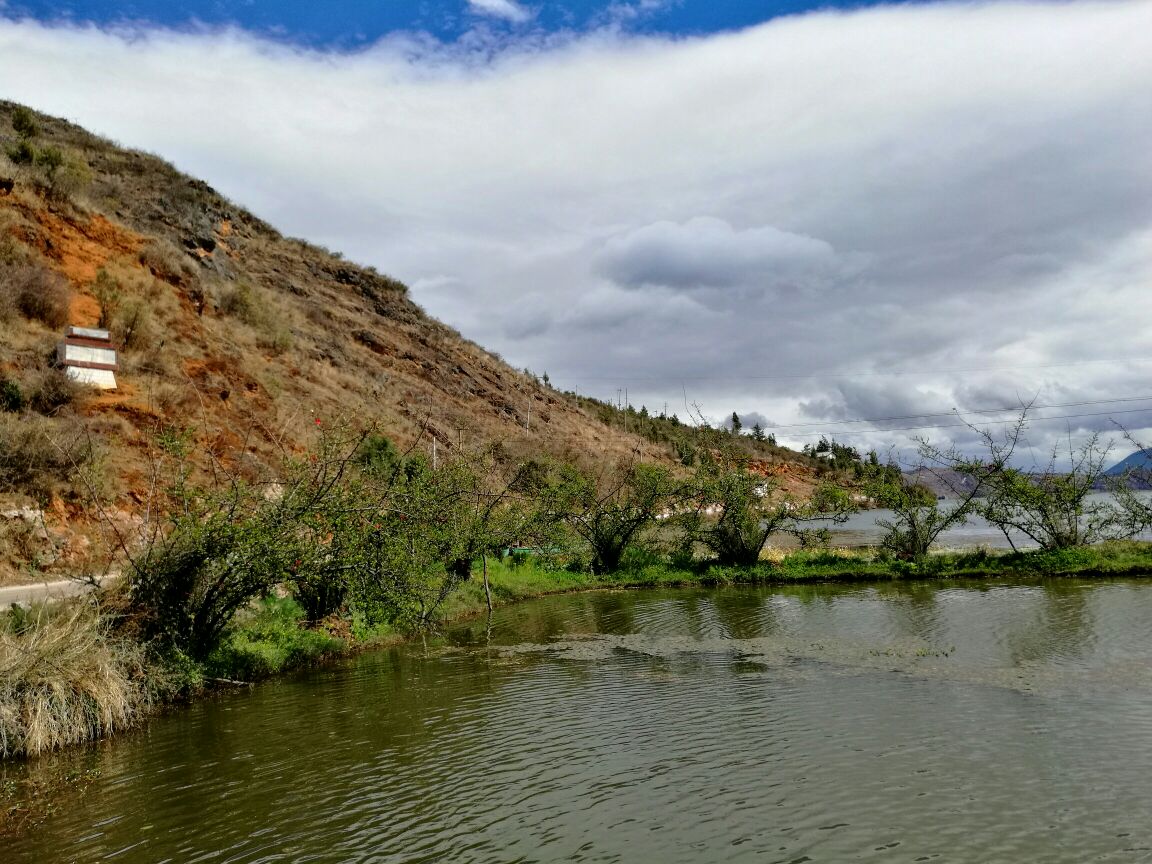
pixel 422 528
pixel 611 511
pixel 749 512
pixel 1048 505
pixel 918 518
pixel 219 545
pixel 736 424
pixel 1051 507
pixel 758 433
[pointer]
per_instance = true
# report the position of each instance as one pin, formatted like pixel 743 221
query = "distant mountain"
pixel 1140 461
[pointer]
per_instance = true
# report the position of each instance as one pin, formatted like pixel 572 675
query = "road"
pixel 42 591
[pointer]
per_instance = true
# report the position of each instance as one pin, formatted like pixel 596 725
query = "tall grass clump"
pixel 65 678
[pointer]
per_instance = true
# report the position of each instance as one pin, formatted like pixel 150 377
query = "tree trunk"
pixel 487 587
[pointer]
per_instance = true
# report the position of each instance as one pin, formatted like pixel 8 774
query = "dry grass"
pixel 65 679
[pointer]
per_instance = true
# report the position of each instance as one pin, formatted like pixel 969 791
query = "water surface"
pixel 909 722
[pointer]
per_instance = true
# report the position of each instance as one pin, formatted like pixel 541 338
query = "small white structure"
pixel 88 357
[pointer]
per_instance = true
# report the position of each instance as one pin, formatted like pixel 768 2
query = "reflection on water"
pixel 897 722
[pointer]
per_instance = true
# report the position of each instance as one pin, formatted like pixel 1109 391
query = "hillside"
pixel 233 338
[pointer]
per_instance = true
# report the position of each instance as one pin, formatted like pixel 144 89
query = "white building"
pixel 88 357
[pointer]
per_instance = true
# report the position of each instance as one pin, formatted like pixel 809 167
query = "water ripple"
pixel 894 723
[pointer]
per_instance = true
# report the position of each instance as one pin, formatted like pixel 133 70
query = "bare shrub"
pixel 22 540
pixel 167 262
pixel 37 293
pixel 49 390
pixel 132 327
pixel 8 308
pixel 37 454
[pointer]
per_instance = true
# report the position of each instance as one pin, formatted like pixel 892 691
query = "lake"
pixel 899 722
pixel 861 530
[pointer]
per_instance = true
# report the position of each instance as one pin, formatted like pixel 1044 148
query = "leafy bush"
pixel 11 397
pixel 212 561
pixel 69 176
pixel 268 640
pixel 378 455
pixel 24 122
pixel 22 153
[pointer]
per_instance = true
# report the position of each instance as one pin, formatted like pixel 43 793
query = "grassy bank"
pixel 516 582
pixel 66 676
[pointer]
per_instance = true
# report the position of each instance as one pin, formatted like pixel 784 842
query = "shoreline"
pixel 298 647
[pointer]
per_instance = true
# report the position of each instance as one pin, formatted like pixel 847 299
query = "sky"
pixel 806 214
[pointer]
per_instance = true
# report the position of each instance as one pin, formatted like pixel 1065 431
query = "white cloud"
pixel 706 252
pixel 959 193
pixel 506 9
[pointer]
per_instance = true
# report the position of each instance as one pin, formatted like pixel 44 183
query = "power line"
pixel 837 376
pixel 957 425
pixel 955 413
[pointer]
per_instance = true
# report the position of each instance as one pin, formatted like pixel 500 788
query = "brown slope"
pixel 326 337
pixel 247 339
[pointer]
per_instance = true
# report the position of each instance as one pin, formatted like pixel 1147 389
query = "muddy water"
pixel 889 723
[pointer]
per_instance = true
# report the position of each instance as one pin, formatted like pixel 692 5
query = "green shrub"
pixel 22 153
pixel 24 122
pixel 378 455
pixel 69 176
pixel 11 397
pixel 268 640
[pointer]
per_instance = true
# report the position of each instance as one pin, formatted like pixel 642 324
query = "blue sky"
pixel 352 23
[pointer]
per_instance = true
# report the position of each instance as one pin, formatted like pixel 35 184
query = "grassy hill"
pixel 233 338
